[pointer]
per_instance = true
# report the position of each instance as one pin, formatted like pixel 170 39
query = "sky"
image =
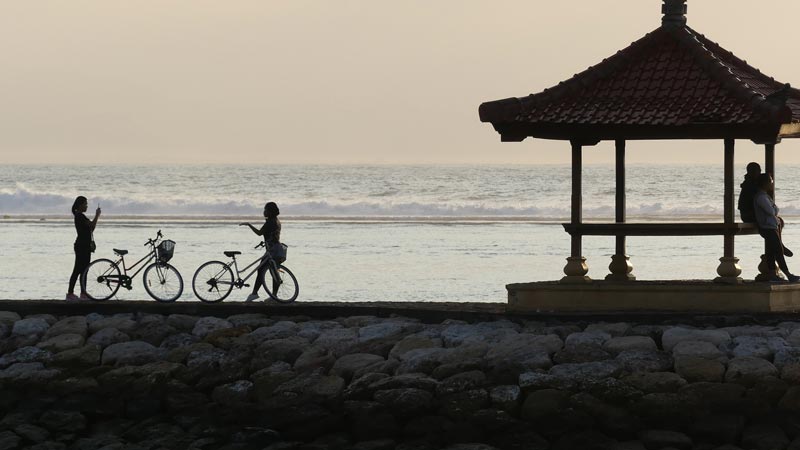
pixel 331 81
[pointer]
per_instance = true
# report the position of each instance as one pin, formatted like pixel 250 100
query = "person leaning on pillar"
pixel 766 213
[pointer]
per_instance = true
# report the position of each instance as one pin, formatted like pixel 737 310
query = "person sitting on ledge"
pixel 748 193
pixel 766 213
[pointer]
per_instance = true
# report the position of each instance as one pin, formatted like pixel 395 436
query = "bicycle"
pixel 214 281
pixel 102 278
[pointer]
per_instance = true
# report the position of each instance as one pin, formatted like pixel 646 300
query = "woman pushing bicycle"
pixel 271 230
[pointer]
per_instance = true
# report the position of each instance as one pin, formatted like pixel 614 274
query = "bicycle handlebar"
pixel 153 241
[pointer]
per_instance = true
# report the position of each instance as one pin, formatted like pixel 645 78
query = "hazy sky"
pixel 330 81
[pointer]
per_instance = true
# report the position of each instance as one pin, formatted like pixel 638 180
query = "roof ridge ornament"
pixel 674 13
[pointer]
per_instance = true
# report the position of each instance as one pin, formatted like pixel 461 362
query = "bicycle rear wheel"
pixel 101 279
pixel 212 282
pixel 281 285
pixel 163 282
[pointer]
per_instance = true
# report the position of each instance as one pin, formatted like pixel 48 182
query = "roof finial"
pixel 674 13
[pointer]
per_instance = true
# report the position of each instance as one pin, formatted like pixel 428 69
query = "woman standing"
pixel 766 213
pixel 271 230
pixel 84 244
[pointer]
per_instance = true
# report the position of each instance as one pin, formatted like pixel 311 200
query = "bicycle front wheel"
pixel 281 285
pixel 212 282
pixel 101 279
pixel 163 282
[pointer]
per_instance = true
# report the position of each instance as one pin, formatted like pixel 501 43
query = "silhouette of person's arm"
pixel 255 230
pixel 96 216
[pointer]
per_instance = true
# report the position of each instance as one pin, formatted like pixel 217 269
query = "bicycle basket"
pixel 165 250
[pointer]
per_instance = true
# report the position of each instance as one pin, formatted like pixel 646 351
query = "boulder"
pixel 591 339
pixel 700 349
pixel 338 341
pixel 9 440
pixel 206 325
pixel 614 329
pixel 32 432
pixel 405 401
pixel 61 342
pixel 30 327
pixel 311 329
pixel 9 317
pixel 791 373
pixel 122 323
pixel 545 403
pixel 655 382
pixel 461 382
pixel 587 371
pixel 673 336
pixel 617 345
pixel 107 336
pixel 278 330
pixel 747 370
pixel 153 332
pixel 252 321
pixel 28 372
pixel 233 394
pixel 69 325
pixel 63 421
pixel 659 439
pixel 506 398
pixel 25 355
pixel 750 346
pixel 764 436
pixel 455 334
pixel 347 365
pixel 314 359
pixel 131 353
pixel 694 368
pixel 182 322
pixel 645 361
pixel 179 340
pixel 84 357
pixel 409 343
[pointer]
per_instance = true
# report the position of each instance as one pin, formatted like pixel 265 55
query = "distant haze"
pixel 331 81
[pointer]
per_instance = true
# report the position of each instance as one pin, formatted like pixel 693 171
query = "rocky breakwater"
pixel 144 381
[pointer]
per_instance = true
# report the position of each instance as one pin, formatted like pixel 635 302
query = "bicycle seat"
pixel 232 254
pixel 120 252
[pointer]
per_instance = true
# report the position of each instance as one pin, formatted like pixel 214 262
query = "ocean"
pixel 369 233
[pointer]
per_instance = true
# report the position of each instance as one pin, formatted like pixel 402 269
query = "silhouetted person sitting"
pixel 748 193
pixel 766 213
pixel 271 230
pixel 84 244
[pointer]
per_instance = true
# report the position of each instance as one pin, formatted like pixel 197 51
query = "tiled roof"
pixel 671 78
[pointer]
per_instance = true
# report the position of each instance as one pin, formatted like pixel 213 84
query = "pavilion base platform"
pixel 667 296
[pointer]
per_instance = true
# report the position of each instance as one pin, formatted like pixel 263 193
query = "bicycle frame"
pixel 145 259
pixel 239 283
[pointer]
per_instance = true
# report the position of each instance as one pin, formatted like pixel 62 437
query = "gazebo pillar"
pixel 620 266
pixel 576 269
pixel 764 272
pixel 729 269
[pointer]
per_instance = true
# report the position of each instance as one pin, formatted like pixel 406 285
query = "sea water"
pixel 368 233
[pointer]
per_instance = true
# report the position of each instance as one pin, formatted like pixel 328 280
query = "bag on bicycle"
pixel 278 252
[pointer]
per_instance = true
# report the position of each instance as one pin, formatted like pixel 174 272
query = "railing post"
pixel 576 269
pixel 620 266
pixel 728 268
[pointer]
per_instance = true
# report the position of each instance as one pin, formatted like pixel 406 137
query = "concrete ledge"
pixel 654 296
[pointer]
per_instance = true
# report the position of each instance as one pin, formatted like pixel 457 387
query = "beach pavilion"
pixel 676 84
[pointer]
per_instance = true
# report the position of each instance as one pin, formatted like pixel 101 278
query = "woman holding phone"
pixel 84 244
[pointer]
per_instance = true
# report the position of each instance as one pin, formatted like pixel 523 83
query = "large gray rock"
pixel 699 349
pixel 412 343
pixel 747 370
pixel 278 330
pixel 133 353
pixel 107 336
pixel 69 325
pixel 153 331
pixel 122 323
pixel 339 341
pixel 311 329
pixel 405 401
pixel 9 317
pixel 61 342
pixel 616 329
pixel 521 353
pixel 455 334
pixel 544 404
pixel 506 397
pixel 30 327
pixel 618 345
pixel 671 337
pixel 84 357
pixel 766 436
pixel 379 338
pixel 182 322
pixel 645 361
pixel 34 372
pixel 655 382
pixel 25 355
pixel 694 368
pixel 658 439
pixel 750 346
pixel 233 394
pixel 591 339
pixel 587 371
pixel 252 321
pixel 207 325
pixel 348 365
pixel 314 358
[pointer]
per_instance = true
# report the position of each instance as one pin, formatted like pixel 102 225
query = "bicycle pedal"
pixel 246 285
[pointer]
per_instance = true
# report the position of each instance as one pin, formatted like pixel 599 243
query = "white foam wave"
pixel 22 200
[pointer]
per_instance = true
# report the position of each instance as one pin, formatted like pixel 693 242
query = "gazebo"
pixel 674 83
